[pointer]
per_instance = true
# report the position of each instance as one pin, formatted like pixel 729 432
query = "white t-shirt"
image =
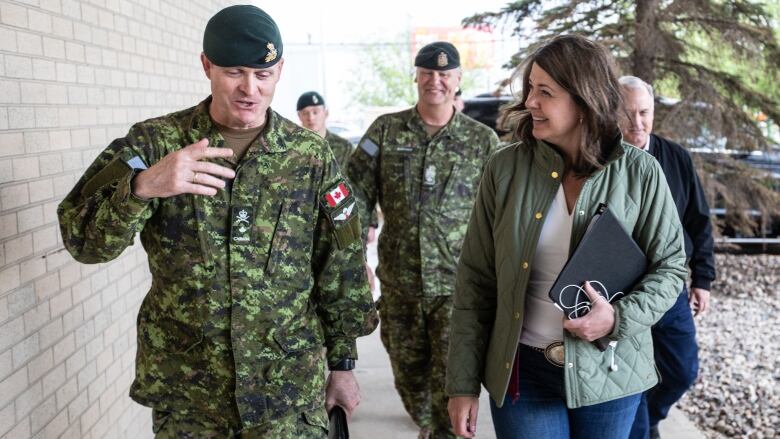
pixel 543 322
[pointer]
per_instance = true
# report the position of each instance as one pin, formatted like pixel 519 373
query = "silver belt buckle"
pixel 554 353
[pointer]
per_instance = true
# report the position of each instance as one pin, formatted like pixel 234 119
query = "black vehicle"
pixel 485 108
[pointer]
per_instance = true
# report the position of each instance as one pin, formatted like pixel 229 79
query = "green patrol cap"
pixel 242 35
pixel 308 99
pixel 440 55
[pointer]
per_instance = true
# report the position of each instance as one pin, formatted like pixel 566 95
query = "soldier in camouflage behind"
pixel 313 114
pixel 253 246
pixel 422 166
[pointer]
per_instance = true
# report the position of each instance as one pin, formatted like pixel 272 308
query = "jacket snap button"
pixel 507 365
pixel 525 265
pixel 582 212
pixel 554 174
pixel 517 316
pixel 571 365
pixel 538 215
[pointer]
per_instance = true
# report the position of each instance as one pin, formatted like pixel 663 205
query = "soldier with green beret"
pixel 313 114
pixel 422 166
pixel 253 242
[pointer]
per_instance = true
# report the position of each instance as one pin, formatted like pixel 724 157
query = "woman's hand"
pixel 463 415
pixel 598 323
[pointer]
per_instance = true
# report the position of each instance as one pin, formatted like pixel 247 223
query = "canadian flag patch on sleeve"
pixel 336 196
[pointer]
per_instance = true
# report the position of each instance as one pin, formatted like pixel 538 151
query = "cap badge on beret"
pixel 315 100
pixel 271 55
pixel 442 61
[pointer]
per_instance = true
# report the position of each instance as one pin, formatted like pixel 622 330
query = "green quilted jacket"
pixel 518 185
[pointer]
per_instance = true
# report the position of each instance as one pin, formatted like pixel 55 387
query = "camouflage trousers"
pixel 415 333
pixel 307 425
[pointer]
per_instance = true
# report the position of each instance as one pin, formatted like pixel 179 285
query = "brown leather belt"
pixel 553 353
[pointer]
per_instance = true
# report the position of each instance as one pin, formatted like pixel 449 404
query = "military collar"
pixel 271 138
pixel 451 129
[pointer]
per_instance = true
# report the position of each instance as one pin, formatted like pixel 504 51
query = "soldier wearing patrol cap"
pixel 254 247
pixel 422 165
pixel 313 114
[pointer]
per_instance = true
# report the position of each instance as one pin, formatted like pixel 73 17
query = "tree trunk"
pixel 646 39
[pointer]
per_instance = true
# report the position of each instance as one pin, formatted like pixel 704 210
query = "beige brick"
pixel 36 141
pixel 9 280
pixel 10 92
pixel 7 40
pixel 39 366
pixel 13 386
pixel 32 269
pixel 41 190
pixel 20 431
pixel 13 144
pixel 14 196
pixel 44 239
pixel 20 301
pixel 82 32
pixel 61 303
pixel 53 380
pixel 52 163
pixel 50 215
pixel 84 334
pixel 68 117
pixel 71 8
pixel 50 333
pixel 28 400
pixel 32 92
pixel 4 314
pixel 77 95
pixel 71 161
pixel 64 183
pixel 18 248
pixel 39 21
pixel 93 348
pixel 24 351
pixel 62 27
pixel 66 72
pixel 64 348
pixel 29 44
pixel 75 363
pixel 67 392
pixel 36 318
pixel 7 418
pixel 21 117
pixel 43 413
pixel 13 15
pixel 3 110
pixel 26 167
pixel 46 117
pixel 47 284
pixel 56 94
pixel 90 417
pixel 18 66
pixel 53 47
pixel 69 274
pixel 44 70
pixel 57 426
pixel 105 359
pixel 6 173
pixel 78 406
pixel 96 387
pixel 74 52
pixel 51 5
pixel 86 75
pixel 88 116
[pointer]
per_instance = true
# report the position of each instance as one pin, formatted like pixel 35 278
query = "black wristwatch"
pixel 343 364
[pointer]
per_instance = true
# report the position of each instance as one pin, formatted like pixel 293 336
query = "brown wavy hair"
pixel 586 70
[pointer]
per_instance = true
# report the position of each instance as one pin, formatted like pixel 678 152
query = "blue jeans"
pixel 677 359
pixel 540 412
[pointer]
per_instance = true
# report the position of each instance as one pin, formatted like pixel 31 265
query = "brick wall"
pixel 73 76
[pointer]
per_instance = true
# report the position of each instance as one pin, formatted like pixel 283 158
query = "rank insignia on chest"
pixel 430 176
pixel 336 196
pixel 241 226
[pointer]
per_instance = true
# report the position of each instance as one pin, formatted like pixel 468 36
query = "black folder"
pixel 337 428
pixel 608 257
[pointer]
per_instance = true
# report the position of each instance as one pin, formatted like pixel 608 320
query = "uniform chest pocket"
pixel 457 195
pixel 396 179
pixel 289 258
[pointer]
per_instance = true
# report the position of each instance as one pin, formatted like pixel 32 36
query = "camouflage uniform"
pixel 247 286
pixel 426 187
pixel 341 149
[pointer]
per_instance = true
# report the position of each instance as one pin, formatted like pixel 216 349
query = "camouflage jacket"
pixel 341 149
pixel 248 285
pixel 426 187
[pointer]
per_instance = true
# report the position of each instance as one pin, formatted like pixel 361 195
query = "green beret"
pixel 242 35
pixel 440 55
pixel 308 99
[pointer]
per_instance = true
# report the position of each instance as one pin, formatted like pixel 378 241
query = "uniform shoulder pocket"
pixel 340 206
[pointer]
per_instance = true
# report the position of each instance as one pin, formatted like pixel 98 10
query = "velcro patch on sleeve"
pixel 369 147
pixel 340 206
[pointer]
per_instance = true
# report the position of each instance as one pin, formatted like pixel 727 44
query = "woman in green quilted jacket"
pixel 545 377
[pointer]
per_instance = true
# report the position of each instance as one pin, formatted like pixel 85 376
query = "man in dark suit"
pixel 674 336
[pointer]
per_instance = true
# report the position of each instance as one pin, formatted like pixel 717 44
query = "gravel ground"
pixel 738 390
